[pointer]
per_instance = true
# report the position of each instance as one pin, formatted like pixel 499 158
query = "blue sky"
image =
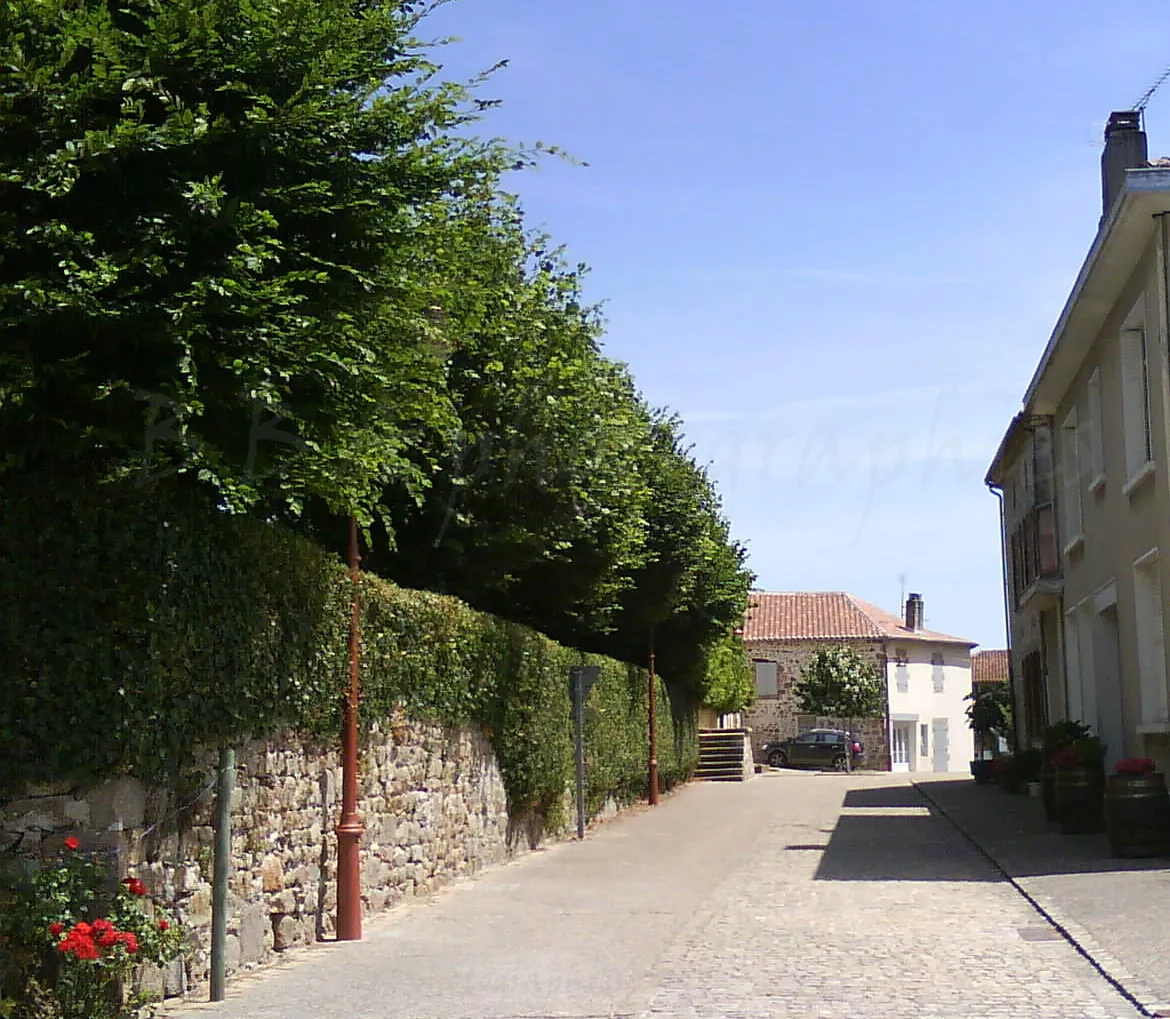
pixel 834 237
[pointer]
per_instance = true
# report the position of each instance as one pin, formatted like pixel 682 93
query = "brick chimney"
pixel 1125 149
pixel 914 613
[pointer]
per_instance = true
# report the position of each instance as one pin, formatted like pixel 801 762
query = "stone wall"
pixel 771 718
pixel 432 801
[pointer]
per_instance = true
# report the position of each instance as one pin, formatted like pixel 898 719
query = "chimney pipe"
pixel 914 612
pixel 1125 149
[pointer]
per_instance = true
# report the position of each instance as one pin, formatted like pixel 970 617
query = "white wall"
pixel 915 701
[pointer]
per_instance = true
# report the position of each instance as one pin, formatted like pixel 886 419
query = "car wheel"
pixel 777 759
pixel 839 763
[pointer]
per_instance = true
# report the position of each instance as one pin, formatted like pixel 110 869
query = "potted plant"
pixel 1137 809
pixel 1028 765
pixel 989 716
pixel 1057 737
pixel 1003 769
pixel 1080 786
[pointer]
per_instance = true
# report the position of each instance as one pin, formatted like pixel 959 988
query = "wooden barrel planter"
pixel 981 771
pixel 1137 815
pixel 1048 781
pixel 1080 800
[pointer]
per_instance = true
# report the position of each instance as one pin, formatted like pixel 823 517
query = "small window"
pixel 1135 389
pixel 1096 431
pixel 924 740
pixel 937 672
pixel 766 678
pixel 902 669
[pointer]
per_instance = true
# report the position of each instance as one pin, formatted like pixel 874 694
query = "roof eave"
pixel 1146 193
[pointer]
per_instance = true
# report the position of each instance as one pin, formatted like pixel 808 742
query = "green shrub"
pixel 136 626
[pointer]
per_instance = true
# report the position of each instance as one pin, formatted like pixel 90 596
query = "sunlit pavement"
pixel 791 895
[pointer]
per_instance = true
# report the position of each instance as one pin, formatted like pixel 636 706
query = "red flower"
pixel 71 842
pixel 134 886
pixel 130 941
pixel 163 925
pixel 105 934
pixel 79 943
pixel 56 928
pixel 1136 766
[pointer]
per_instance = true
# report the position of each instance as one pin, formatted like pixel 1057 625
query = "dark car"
pixel 816 748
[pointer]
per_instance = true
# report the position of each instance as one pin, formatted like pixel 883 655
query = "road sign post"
pixel 581 680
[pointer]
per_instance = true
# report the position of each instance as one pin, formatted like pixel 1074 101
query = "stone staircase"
pixel 722 755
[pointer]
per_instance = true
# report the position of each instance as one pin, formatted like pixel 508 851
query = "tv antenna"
pixel 1146 96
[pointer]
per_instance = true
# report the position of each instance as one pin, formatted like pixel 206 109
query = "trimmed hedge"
pixel 137 626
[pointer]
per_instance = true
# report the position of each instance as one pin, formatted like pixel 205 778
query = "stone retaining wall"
pixel 431 798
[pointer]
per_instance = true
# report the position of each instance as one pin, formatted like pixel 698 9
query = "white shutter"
pixel 766 674
pixel 1096 427
pixel 1072 664
pixel 1135 400
pixel 1071 478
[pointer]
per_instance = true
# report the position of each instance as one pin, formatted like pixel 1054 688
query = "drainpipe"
pixel 997 491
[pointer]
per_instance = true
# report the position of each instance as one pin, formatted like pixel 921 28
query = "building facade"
pixel 1083 474
pixel 928 676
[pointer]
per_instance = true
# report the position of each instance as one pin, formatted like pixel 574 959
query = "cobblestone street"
pixel 793 895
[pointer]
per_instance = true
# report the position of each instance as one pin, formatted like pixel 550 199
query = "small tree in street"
pixel 839 683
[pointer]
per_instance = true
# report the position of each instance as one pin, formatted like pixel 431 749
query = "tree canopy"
pixel 254 249
pixel 839 683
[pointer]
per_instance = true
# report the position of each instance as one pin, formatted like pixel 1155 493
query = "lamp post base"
pixel 349 886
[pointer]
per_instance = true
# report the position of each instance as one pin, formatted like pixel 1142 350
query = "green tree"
pixel 535 507
pixel 837 682
pixel 209 213
pixel 990 713
pixel 729 678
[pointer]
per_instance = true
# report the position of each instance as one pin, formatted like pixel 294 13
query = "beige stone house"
pixel 928 676
pixel 1083 477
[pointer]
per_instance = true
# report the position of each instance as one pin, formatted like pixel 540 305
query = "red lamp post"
pixel 349 830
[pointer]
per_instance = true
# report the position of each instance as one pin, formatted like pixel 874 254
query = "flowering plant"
pixel 1136 766
pixel 1086 752
pixel 70 946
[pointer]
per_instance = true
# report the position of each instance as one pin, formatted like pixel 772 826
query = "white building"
pixel 928 676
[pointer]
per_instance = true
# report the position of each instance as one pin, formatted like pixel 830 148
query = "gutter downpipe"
pixel 997 491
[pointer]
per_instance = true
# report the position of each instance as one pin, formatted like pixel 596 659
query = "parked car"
pixel 817 748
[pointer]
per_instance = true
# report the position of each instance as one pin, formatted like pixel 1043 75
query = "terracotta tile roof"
pixel 894 628
pixel 828 615
pixel 989 667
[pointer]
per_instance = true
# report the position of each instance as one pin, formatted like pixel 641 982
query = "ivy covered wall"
pixel 137 627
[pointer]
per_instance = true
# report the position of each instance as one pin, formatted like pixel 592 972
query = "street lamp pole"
pixel 349 830
pixel 652 698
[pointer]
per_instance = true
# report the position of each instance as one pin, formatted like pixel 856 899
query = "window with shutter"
pixel 1071 480
pixel 1135 396
pixel 766 677
pixel 1096 432
pixel 1150 637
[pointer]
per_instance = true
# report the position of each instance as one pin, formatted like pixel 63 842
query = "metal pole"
pixel 349 831
pixel 579 729
pixel 652 698
pixel 220 868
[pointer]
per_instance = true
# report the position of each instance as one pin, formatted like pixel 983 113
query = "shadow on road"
pixel 1012 829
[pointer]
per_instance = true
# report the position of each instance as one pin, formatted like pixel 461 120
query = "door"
pixel 901 742
pixel 1107 659
pixel 942 747
pixel 801 750
pixel 828 746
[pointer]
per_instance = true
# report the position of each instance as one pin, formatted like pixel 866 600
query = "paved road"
pixel 828 897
